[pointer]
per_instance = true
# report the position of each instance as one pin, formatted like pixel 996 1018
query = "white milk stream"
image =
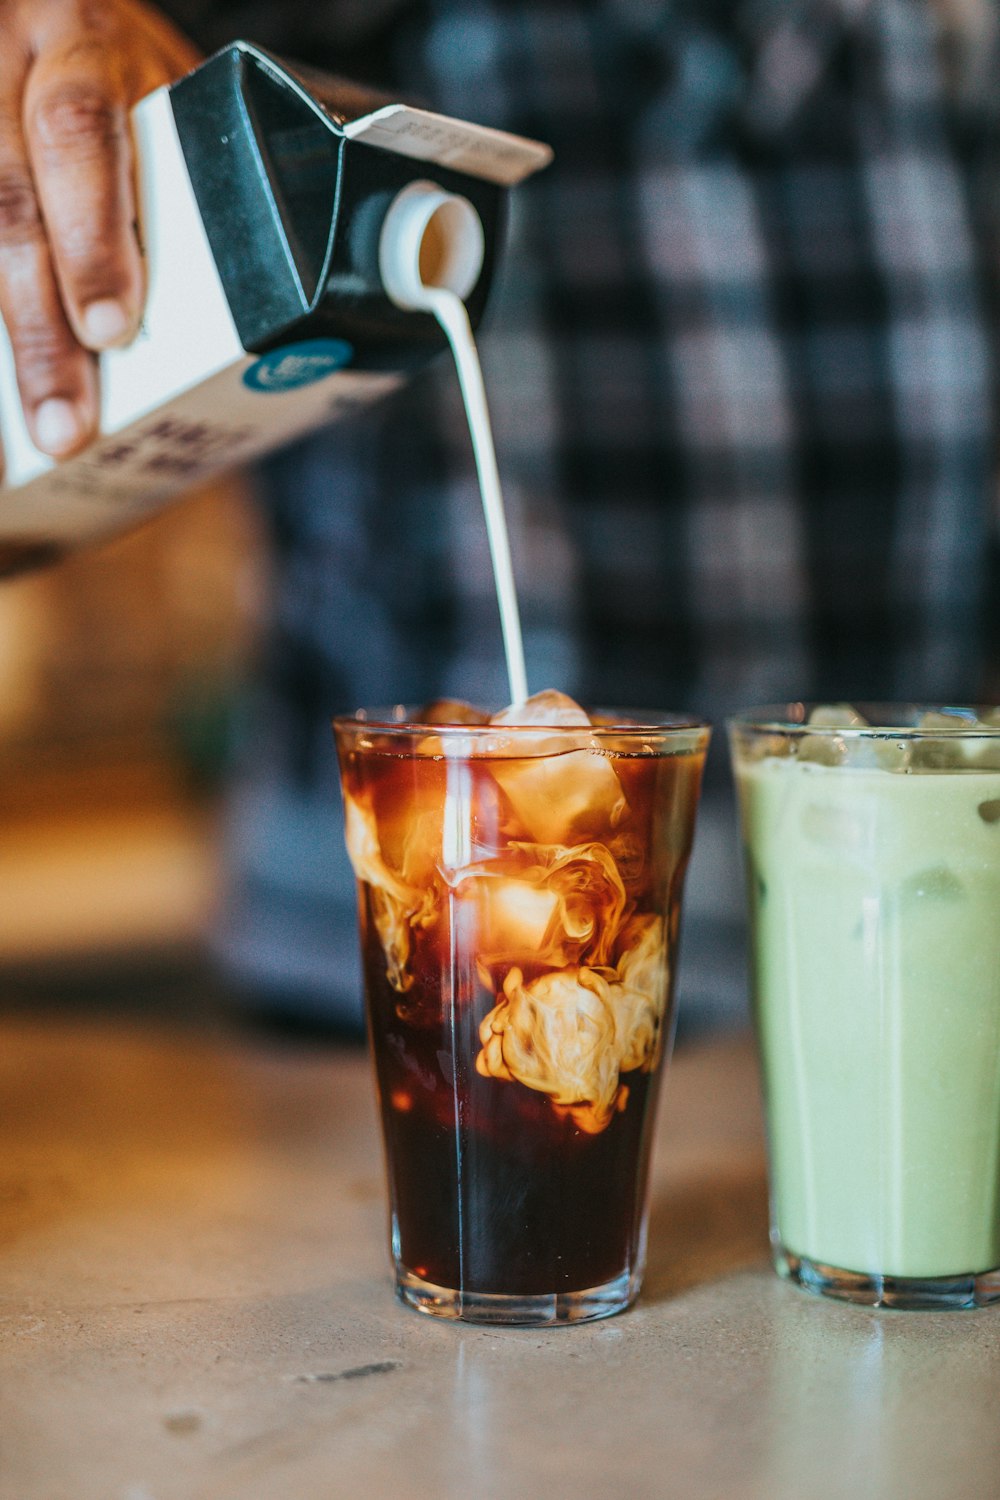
pixel 451 314
pixel 431 256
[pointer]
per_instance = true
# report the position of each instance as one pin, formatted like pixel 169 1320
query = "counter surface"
pixel 194 1301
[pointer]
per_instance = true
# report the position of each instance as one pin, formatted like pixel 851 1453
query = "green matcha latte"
pixel 873 870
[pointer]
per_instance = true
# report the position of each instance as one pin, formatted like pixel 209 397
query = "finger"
pixel 55 376
pixel 76 127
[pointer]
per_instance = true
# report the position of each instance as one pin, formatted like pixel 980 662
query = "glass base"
pixel 511 1309
pixel 932 1293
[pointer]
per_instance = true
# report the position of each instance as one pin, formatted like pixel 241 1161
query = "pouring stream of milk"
pixel 450 312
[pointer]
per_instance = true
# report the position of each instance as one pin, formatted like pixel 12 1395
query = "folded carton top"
pixel 292 194
pixel 478 150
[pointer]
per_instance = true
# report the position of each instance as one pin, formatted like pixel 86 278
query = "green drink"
pixel 873 870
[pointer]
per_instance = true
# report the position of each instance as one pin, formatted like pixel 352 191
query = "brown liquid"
pixel 495 1187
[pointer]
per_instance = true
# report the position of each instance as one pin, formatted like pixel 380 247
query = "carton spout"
pixel 430 240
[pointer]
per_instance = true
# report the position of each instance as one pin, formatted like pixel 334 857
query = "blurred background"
pixel 122 672
pixel 743 364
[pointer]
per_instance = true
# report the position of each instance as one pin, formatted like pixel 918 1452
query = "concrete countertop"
pixel 195 1305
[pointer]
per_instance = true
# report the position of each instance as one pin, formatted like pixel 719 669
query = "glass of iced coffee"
pixel 519 882
pixel 872 842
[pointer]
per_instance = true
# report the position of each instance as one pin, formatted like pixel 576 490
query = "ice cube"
pixel 547 707
pixel 830 749
pixel 823 749
pixel 937 755
pixel 396 904
pixel 408 821
pixel 952 751
pixel 546 905
pixel 873 752
pixel 837 716
pixel 986 753
pixel 557 1036
pixel 514 919
pixel 839 827
pixel 364 849
pixel 935 884
pixel 561 798
pixel 948 718
pixel 639 999
pixel 963 751
pixel 562 789
pixel 451 711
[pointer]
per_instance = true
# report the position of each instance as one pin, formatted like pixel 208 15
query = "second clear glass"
pixel 873 875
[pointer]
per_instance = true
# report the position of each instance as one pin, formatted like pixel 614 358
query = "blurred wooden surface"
pixel 119 672
pixel 104 883
pixel 195 1305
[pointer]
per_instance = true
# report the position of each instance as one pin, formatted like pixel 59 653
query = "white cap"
pixel 430 239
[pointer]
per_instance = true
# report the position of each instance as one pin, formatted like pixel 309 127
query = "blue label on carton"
pixel 298 364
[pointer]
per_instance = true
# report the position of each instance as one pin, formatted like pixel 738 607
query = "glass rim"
pixel 403 719
pixel 791 720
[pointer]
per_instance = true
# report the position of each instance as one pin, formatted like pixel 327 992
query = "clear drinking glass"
pixel 873 874
pixel 519 895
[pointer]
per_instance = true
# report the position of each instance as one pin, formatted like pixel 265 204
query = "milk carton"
pixel 271 202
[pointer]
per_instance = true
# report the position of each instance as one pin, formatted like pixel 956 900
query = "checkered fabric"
pixel 742 362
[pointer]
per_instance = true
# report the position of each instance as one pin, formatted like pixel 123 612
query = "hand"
pixel 70 270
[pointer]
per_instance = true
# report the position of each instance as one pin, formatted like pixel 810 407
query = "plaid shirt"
pixel 742 365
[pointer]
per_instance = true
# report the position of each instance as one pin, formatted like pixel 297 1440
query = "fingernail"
pixel 59 426
pixel 105 322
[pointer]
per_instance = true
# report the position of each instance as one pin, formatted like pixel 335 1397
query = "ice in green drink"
pixel 873 871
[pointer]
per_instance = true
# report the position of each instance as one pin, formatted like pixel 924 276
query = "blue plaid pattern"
pixel 742 363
